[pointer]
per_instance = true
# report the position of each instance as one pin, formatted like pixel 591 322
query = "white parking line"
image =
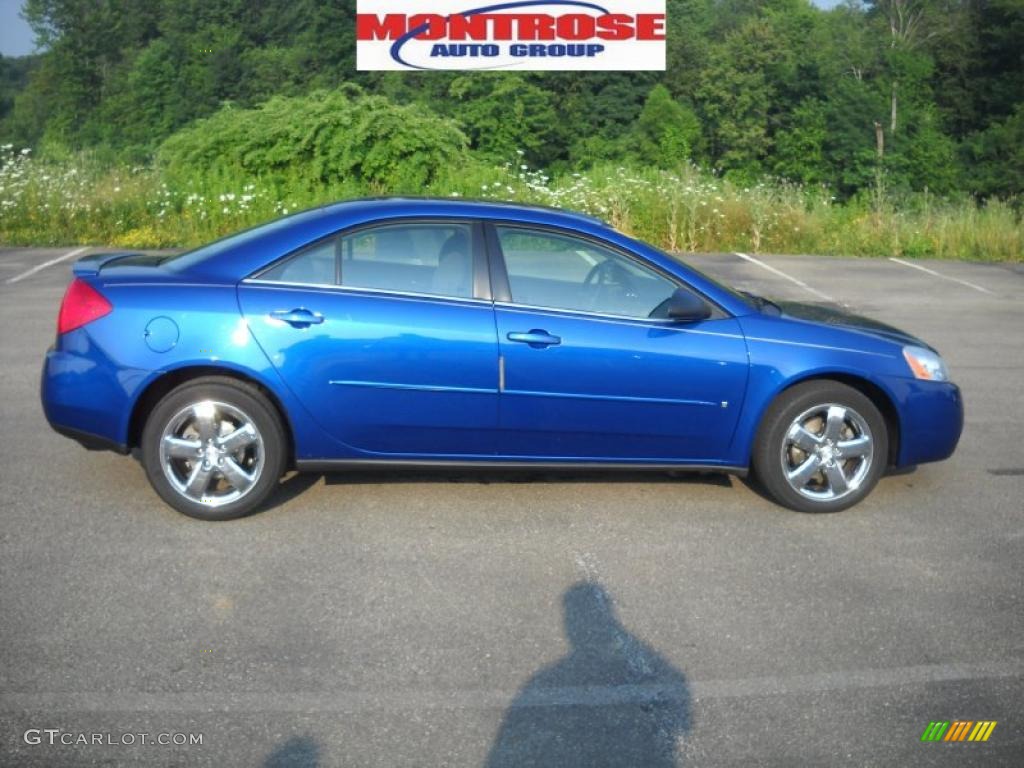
pixel 598 695
pixel 45 264
pixel 939 274
pixel 784 276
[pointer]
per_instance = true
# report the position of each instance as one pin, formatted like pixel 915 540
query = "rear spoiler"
pixel 90 265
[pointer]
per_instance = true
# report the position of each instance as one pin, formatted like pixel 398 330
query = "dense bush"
pixel 322 138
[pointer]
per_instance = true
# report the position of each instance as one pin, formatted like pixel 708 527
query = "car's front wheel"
pixel 214 448
pixel 822 447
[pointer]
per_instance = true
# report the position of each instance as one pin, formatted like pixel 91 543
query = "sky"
pixel 16 38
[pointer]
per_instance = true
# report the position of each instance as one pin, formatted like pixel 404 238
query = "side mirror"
pixel 687 307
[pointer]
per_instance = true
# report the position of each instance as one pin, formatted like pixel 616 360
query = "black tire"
pixel 261 414
pixel 770 452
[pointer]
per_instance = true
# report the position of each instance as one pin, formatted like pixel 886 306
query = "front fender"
pixel 784 353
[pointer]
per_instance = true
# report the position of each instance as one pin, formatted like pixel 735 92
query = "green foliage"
pixel 151 105
pixel 997 156
pixel 319 139
pixel 667 132
pixel 81 199
pixel 504 113
pixel 924 158
pixel 220 91
pixel 13 79
pixel 736 96
pixel 799 148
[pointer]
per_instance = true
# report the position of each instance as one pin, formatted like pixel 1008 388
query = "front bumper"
pixel 931 418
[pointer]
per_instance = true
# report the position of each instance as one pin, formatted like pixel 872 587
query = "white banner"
pixel 516 35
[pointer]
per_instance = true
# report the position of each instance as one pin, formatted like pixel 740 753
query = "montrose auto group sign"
pixel 518 35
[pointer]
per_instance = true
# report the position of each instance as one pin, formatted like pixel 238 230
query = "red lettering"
pixel 369 26
pixel 615 26
pixel 436 25
pixel 575 26
pixel 650 26
pixel 502 29
pixel 471 27
pixel 538 26
pixel 505 26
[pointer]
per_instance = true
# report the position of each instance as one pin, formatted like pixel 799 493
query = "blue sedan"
pixel 406 332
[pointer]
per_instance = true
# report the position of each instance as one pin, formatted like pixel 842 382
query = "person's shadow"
pixel 611 701
pixel 297 752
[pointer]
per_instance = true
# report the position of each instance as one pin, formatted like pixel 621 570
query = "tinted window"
pixel 434 259
pixel 413 258
pixel 553 270
pixel 314 266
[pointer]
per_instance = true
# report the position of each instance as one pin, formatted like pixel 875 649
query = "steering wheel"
pixel 606 272
pixel 609 277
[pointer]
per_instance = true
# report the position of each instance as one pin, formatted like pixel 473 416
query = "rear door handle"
pixel 536 338
pixel 298 318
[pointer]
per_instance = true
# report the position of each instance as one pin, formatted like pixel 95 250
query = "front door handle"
pixel 536 338
pixel 298 318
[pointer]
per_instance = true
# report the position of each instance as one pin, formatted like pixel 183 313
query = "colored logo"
pixel 519 35
pixel 958 730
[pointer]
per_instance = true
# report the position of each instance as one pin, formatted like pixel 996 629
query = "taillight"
pixel 82 304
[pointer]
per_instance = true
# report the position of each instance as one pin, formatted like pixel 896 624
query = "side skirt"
pixel 342 465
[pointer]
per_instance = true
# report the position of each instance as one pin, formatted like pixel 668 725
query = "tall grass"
pixel 79 200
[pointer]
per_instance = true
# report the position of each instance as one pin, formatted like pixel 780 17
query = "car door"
pixel 386 334
pixel 590 370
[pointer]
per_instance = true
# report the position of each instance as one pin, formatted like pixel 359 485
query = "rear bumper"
pixel 90 441
pixel 85 396
pixel 931 420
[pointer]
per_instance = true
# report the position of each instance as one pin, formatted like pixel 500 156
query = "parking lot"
pixel 505 618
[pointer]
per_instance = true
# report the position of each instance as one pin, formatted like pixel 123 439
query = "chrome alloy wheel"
pixel 827 452
pixel 211 453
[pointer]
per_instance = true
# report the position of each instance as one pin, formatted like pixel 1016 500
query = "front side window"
pixel 547 269
pixel 428 258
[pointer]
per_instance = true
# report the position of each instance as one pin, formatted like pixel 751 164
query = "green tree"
pixel 995 157
pixel 735 98
pixel 150 105
pixel 503 114
pixel 753 87
pixel 14 74
pixel 923 156
pixel 666 131
pixel 800 147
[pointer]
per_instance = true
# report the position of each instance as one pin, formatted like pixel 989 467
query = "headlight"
pixel 925 364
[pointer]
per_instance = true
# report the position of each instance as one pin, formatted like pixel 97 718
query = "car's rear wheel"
pixel 822 447
pixel 214 448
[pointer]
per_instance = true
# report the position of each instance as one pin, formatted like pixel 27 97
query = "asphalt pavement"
pixel 525 619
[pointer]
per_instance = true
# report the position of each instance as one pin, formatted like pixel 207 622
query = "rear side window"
pixel 315 265
pixel 428 258
pixel 412 258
